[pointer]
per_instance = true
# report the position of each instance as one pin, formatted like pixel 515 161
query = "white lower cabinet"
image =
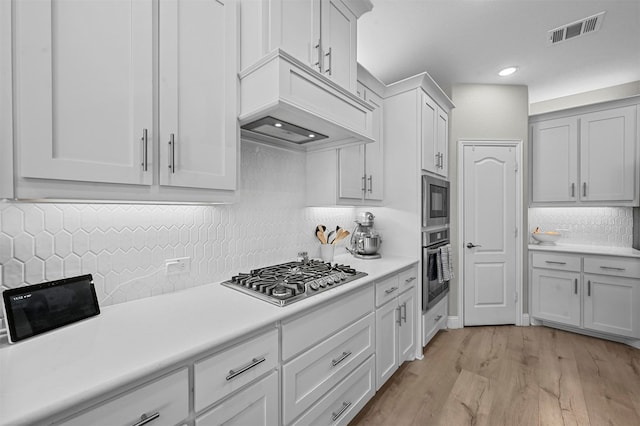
pixel 592 293
pixel 256 405
pixel 164 401
pixel 342 404
pixel 395 325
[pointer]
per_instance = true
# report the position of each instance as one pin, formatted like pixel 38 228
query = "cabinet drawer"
pixel 312 374
pixel 166 398
pixel 616 266
pixel 433 320
pixel 408 278
pixel 255 405
pixel 345 400
pixel 562 262
pixel 217 376
pixel 303 332
pixel 387 289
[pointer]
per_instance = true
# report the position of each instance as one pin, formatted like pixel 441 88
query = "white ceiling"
pixel 469 41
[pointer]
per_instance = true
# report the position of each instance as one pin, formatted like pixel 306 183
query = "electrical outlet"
pixel 178 266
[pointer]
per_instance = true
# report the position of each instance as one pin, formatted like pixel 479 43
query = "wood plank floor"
pixel 509 375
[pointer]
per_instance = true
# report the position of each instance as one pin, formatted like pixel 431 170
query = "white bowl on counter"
pixel 546 238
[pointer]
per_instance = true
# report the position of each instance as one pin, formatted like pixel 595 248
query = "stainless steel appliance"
pixel 290 282
pixel 365 241
pixel 435 203
pixel 433 290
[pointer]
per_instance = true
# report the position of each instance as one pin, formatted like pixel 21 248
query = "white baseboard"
pixel 454 322
pixel 525 320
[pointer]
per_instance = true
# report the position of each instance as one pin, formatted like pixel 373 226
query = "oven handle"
pixel 436 247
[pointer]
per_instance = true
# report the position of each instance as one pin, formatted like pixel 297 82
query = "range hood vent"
pixel 286 103
pixel 576 29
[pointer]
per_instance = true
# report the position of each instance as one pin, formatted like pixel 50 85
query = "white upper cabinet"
pixel 435 137
pixel 586 159
pixel 83 87
pixel 197 94
pixel 319 33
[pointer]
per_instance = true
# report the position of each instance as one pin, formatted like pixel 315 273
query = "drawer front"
pixel 345 401
pixel 433 320
pixel 615 266
pixel 387 289
pixel 256 405
pixel 561 262
pixel 312 374
pixel 166 398
pixel 303 332
pixel 408 278
pixel 218 375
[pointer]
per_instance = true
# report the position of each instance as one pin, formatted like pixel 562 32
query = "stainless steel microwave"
pixel 435 202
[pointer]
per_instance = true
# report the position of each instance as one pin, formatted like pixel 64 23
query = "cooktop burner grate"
pixel 289 282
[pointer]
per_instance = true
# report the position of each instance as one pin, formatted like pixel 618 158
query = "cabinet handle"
pixel 364 183
pixel 341 358
pixel 555 262
pixel 172 152
pixel 584 189
pixel 573 189
pixel 612 268
pixel 144 419
pixel 144 139
pixel 345 405
pixel 403 308
pixel 408 280
pixel 391 290
pixel 318 63
pixel 328 70
pixel 370 179
pixel 398 310
pixel 436 319
pixel 253 363
pixel 575 286
pixel 437 160
pixel 442 160
pixel 589 288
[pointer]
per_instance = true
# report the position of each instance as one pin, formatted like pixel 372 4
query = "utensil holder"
pixel 326 252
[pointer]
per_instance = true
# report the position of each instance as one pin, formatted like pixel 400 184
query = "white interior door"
pixel 489 234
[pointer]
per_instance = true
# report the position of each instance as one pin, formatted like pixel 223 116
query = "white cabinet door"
pixel 555 296
pixel 351 179
pixel 429 112
pixel 84 90
pixel 442 141
pixel 612 305
pixel 607 155
pixel 338 34
pixel 298 29
pixel 256 405
pixel 407 332
pixel 374 152
pixel 198 131
pixel 387 318
pixel 554 151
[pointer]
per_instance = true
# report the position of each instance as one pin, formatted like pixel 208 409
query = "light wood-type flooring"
pixel 507 375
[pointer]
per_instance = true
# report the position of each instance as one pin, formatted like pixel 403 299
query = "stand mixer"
pixel 365 241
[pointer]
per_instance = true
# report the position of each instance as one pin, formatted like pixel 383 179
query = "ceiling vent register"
pixel 576 29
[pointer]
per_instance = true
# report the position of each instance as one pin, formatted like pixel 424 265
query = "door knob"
pixel 471 245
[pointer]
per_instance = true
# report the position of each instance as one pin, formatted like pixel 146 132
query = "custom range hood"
pixel 284 102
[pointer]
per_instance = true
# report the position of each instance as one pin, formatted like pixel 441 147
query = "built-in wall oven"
pixel 435 203
pixel 435 280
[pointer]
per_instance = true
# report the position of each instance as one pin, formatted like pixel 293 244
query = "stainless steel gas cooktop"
pixel 289 282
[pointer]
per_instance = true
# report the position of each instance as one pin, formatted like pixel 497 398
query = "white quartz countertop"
pixel 587 249
pixel 47 374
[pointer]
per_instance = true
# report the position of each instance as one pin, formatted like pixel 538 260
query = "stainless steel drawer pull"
pixel 612 268
pixel 144 419
pixel 341 358
pixel 145 147
pixel 335 416
pixel 391 290
pixel 555 262
pixel 403 312
pixel 253 363
pixel 436 319
pixel 575 287
pixel 589 288
pixel 408 280
pixel 172 152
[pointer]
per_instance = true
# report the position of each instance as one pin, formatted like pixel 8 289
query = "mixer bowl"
pixel 369 244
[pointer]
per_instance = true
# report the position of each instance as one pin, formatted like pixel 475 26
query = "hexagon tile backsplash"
pixel 125 247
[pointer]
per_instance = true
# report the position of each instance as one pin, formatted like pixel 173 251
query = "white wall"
pixel 485 112
pixel 125 246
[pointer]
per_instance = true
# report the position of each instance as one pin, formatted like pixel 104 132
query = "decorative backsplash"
pixel 125 247
pixel 604 226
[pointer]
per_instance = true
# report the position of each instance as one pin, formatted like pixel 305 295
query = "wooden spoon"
pixel 342 234
pixel 321 237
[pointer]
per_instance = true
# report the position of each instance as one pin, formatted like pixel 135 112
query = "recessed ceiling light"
pixel 278 125
pixel 311 135
pixel 507 71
